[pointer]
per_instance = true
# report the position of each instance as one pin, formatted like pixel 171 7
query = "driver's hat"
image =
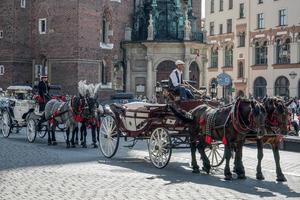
pixel 179 62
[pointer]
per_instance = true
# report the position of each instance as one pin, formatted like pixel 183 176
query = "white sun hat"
pixel 179 62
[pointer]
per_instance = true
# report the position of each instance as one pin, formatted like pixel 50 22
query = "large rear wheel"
pixel 6 124
pixel 215 153
pixel 160 148
pixel 108 137
pixel 31 130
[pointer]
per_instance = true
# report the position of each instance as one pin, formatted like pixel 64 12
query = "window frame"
pixel 261 54
pixel 2 70
pixel 214 58
pixel 212 6
pixel 242 11
pixel 40 26
pixel 1 34
pixel 280 48
pixel 230 4
pixel 221 5
pixel 211 28
pixel 260 21
pixel 23 3
pixel 228 57
pixel 282 17
pixel 229 25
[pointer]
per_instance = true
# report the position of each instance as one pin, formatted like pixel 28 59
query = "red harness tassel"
pixel 207 139
pixel 202 121
pixel 224 140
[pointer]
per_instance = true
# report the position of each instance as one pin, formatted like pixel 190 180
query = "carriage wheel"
pixel 215 153
pixel 108 137
pixel 160 148
pixel 6 124
pixel 42 133
pixel 31 130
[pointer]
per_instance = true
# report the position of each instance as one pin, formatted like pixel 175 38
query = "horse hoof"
pixel 49 143
pixel 84 146
pixel 228 178
pixel 241 176
pixel 281 179
pixel 206 169
pixel 68 146
pixel 196 171
pixel 95 146
pixel 260 177
pixel 54 143
pixel 73 146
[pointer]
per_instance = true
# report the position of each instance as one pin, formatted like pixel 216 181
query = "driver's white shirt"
pixel 174 78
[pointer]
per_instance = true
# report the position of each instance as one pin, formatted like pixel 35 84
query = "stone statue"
pixel 187 27
pixel 150 29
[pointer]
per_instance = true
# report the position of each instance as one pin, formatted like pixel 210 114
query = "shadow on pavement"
pixel 177 173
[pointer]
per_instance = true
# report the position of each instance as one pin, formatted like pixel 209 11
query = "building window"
pixel 242 39
pixel 214 58
pixel 221 5
pixel 212 6
pixel 261 54
pixel 242 10
pixel 228 57
pixel 282 85
pixel 211 28
pixel 230 4
pixel 283 51
pixel 260 21
pixel 42 26
pixel 23 3
pixel 260 1
pixel 104 31
pixel 104 73
pixel 241 70
pixel 260 87
pixel 1 34
pixel 282 17
pixel 229 25
pixel 1 70
pixel 221 28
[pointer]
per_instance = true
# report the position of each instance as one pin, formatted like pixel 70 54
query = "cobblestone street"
pixel 39 171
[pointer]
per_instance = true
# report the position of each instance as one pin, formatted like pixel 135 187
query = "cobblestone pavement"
pixel 38 171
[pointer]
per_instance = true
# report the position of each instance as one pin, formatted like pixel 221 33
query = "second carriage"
pixel 158 124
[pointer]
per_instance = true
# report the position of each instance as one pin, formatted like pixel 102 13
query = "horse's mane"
pixel 85 89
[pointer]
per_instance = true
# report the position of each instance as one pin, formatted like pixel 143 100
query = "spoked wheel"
pixel 6 124
pixel 215 153
pixel 108 137
pixel 160 148
pixel 31 130
pixel 42 133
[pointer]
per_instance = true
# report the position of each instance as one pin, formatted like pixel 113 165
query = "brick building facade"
pixel 71 40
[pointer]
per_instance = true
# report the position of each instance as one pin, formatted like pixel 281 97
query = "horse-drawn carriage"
pixel 16 101
pixel 162 125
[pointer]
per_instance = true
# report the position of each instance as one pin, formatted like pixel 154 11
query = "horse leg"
pixel 205 161
pixel 280 175
pixel 195 166
pixel 68 134
pixel 227 173
pixel 260 155
pixel 94 136
pixel 73 136
pixel 84 133
pixel 49 134
pixel 53 133
pixel 240 170
pixel 76 134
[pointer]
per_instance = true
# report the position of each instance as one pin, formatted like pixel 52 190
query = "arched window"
pixel 261 54
pixel 214 58
pixel 213 88
pixel 283 51
pixel 104 73
pixel 260 87
pixel 228 57
pixel 282 85
pixel 241 70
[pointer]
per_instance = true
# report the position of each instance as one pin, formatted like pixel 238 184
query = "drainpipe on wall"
pixel 125 67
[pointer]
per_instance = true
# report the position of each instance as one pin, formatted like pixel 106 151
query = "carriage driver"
pixel 176 82
pixel 43 90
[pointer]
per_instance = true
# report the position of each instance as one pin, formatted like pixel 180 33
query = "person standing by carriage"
pixel 176 82
pixel 43 91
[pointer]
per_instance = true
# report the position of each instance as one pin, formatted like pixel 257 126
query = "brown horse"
pixel 277 123
pixel 230 125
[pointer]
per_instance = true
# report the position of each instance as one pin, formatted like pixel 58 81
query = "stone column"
pixel 149 88
pixel 186 71
pixel 128 76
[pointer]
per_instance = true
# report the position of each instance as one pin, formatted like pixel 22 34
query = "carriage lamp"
pixel 213 90
pixel 158 88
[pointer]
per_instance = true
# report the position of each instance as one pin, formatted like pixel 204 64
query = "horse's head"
pixel 252 115
pixel 259 117
pixel 89 107
pixel 277 114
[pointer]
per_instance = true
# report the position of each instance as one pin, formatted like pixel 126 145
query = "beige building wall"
pixel 246 55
